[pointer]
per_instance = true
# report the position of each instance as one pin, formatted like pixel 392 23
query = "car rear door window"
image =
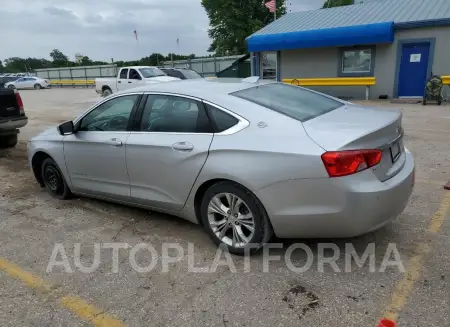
pixel 220 120
pixel 174 114
pixel 134 74
pixel 293 101
pixel 124 74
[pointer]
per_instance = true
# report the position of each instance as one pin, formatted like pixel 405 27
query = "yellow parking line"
pixel 78 306
pixel 405 286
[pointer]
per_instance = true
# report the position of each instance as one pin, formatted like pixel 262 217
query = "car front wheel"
pixel 106 92
pixel 54 180
pixel 235 218
pixel 37 86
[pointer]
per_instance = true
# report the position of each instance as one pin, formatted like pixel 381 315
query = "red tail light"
pixel 19 103
pixel 343 163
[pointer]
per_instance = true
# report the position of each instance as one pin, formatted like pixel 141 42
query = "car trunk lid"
pixel 353 127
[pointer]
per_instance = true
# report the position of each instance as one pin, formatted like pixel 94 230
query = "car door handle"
pixel 130 82
pixel 119 82
pixel 114 142
pixel 183 146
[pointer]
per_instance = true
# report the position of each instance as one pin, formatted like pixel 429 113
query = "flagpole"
pixel 275 10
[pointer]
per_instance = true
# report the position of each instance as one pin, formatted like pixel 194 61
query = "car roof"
pixel 207 89
pixel 137 67
pixel 174 68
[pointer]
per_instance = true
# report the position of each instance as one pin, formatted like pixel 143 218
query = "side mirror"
pixel 66 128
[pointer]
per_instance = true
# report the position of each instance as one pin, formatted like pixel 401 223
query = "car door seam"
pixel 199 172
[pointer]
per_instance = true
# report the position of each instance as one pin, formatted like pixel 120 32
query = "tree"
pixel 85 61
pixel 231 21
pixel 337 3
pixel 59 58
pixel 20 65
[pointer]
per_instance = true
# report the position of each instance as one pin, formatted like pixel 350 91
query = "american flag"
pixel 271 5
pixel 135 35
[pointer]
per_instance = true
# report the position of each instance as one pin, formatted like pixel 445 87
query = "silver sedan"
pixel 246 159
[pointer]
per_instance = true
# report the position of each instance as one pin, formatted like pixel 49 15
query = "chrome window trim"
pixel 242 122
pixel 111 97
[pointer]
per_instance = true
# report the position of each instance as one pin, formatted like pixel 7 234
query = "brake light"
pixel 19 103
pixel 343 163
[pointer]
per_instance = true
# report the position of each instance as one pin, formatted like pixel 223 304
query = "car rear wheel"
pixel 106 92
pixel 235 218
pixel 37 86
pixel 54 180
pixel 12 87
pixel 8 141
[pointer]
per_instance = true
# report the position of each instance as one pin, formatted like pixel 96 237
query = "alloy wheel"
pixel 231 220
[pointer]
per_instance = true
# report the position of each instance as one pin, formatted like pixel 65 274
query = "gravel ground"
pixel 31 223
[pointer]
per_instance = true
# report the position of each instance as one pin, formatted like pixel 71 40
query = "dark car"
pixel 6 79
pixel 12 117
pixel 181 73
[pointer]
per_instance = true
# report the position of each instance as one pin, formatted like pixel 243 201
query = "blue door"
pixel 413 69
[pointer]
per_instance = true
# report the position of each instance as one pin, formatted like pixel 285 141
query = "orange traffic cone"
pixel 386 323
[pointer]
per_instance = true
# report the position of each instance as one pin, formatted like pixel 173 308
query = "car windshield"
pixel 293 101
pixel 151 72
pixel 190 74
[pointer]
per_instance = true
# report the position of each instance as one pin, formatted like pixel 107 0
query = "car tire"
pixel 37 86
pixel 106 92
pixel 12 87
pixel 239 220
pixel 8 141
pixel 54 180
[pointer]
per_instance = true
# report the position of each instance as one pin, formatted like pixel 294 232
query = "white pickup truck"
pixel 131 77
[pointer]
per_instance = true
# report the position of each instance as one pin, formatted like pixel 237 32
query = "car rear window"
pixel 293 101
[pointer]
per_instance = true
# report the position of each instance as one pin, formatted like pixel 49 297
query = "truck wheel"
pixel 106 92
pixel 8 141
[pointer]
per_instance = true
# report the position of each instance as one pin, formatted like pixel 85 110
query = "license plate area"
pixel 395 151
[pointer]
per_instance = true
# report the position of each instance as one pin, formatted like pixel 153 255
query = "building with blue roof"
pixel 399 42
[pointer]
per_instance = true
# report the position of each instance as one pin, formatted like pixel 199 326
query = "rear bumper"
pixel 337 207
pixel 13 123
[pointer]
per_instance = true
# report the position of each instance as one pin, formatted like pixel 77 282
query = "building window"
pixel 268 65
pixel 356 62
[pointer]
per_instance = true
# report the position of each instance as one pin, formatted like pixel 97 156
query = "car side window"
pixel 220 120
pixel 173 114
pixel 112 115
pixel 124 74
pixel 177 73
pixel 134 74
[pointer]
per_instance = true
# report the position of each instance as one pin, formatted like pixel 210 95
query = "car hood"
pixel 49 131
pixel 162 79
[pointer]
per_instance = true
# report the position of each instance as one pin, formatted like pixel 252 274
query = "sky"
pixel 104 29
